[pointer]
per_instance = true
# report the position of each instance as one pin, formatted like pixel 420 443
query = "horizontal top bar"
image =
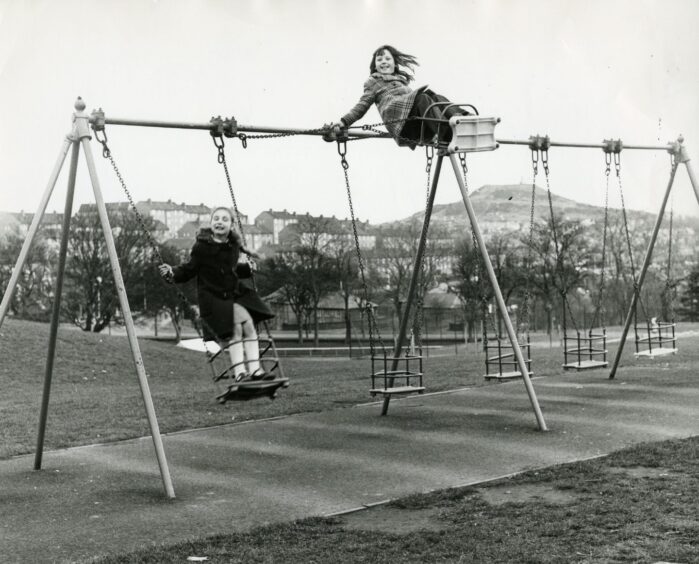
pixel 240 127
pixel 353 132
pixel 666 147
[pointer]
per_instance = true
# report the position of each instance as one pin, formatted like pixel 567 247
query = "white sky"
pixel 577 70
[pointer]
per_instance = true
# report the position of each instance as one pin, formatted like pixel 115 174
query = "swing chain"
pixel 342 151
pixel 429 154
pixel 106 153
pixel 371 320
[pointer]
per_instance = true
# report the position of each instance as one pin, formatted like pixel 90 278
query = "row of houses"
pixel 177 225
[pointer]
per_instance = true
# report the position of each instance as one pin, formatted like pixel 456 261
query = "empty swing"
pixel 390 374
pixel 652 337
pixel 500 361
pixel 583 350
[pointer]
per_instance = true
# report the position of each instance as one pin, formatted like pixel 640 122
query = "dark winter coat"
pixel 393 98
pixel 221 282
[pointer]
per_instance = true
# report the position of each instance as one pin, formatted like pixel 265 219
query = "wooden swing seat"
pixel 586 365
pixel 656 352
pixel 504 376
pixel 252 389
pixel 397 390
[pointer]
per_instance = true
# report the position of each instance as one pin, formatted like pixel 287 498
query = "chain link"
pixel 523 320
pixel 373 325
pixel 559 259
pixel 107 154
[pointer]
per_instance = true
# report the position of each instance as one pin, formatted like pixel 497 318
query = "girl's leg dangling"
pixel 235 350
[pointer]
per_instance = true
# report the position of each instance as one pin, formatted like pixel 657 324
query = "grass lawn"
pixel 95 395
pixel 636 505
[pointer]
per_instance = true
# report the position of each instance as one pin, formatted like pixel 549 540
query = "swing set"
pixel 469 134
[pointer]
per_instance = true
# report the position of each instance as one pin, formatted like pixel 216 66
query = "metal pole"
pixel 33 228
pixel 644 269
pixel 405 317
pixel 56 310
pixel 84 134
pixel 586 145
pixel 684 158
pixel 352 132
pixel 498 294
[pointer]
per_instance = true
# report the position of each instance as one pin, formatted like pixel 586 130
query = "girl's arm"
pixel 186 271
pixel 361 107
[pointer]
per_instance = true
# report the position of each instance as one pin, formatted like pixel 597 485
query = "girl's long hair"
pixel 404 63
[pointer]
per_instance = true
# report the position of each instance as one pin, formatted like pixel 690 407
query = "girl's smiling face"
pixel 384 62
pixel 221 222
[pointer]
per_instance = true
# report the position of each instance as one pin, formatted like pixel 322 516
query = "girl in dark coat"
pixel 229 308
pixel 398 104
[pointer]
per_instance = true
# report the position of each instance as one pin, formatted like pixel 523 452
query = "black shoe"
pixel 242 376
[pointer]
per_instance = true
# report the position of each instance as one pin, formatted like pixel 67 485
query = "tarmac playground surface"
pixel 100 499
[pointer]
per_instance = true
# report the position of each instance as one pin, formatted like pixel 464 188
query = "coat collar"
pixel 206 235
pixel 389 77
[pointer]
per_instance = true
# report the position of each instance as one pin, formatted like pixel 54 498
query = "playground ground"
pixel 108 499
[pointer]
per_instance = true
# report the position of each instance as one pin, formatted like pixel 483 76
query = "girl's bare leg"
pixel 250 343
pixel 235 350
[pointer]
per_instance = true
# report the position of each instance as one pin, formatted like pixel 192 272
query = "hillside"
pixel 511 203
pixel 507 208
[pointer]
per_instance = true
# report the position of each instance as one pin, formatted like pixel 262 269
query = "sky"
pixel 576 70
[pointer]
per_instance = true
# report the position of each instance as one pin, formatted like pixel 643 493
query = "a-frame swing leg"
pixel 81 136
pixel 33 228
pixel 644 269
pixel 681 156
pixel 412 288
pixel 498 294
pixel 56 307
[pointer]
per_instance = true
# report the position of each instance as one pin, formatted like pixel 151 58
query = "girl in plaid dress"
pixel 399 105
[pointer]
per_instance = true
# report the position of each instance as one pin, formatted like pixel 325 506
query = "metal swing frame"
pixel 79 136
pixel 680 155
pixel 660 338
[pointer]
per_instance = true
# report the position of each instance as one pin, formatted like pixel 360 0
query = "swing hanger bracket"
pixel 539 142
pixel 98 120
pixel 612 146
pixel 220 127
pixel 336 133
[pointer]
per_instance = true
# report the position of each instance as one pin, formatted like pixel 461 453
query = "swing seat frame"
pixel 586 351
pixel 504 359
pixel 408 374
pixel 660 340
pixel 470 133
pixel 222 372
pixel 252 389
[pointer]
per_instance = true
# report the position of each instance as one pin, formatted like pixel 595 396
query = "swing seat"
pixel 586 365
pixel 472 133
pixel 660 340
pixel 587 356
pixel 397 390
pixel 504 362
pixel 223 373
pixel 252 389
pixel 387 377
pixel 656 352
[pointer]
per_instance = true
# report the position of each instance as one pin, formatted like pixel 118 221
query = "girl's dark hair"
pixel 408 62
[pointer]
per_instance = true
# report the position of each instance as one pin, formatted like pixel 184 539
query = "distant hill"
pixel 507 207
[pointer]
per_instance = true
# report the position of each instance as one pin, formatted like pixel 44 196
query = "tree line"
pixel 557 268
